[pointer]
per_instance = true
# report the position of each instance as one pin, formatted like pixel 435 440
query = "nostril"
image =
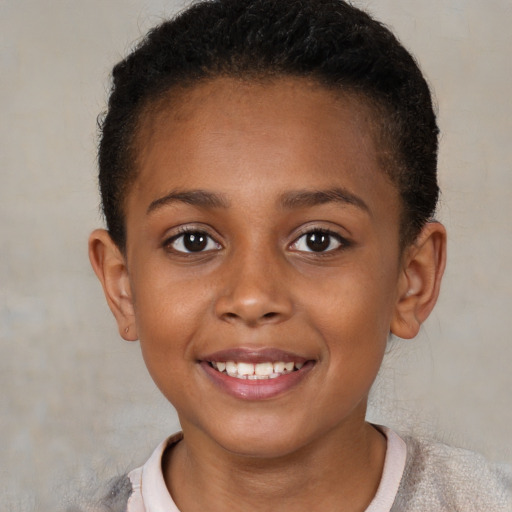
pixel 230 316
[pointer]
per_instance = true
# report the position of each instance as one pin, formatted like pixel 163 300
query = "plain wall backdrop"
pixel 76 402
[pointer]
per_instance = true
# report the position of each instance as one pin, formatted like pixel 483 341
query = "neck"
pixel 342 469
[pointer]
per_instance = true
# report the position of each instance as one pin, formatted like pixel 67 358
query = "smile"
pixel 258 371
pixel 256 374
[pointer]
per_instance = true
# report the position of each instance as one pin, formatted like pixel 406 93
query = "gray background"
pixel 76 401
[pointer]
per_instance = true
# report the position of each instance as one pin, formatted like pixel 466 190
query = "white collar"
pixel 150 494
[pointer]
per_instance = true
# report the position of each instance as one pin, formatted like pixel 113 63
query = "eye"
pixel 318 241
pixel 192 242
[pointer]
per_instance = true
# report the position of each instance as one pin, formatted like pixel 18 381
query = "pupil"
pixel 318 241
pixel 195 242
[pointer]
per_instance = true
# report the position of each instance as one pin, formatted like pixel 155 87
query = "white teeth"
pixel 279 367
pixel 231 368
pixel 246 369
pixel 263 369
pixel 259 371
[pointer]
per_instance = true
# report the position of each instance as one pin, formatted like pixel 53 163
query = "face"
pixel 263 261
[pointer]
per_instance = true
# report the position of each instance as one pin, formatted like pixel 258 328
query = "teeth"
pixel 246 368
pixel 259 371
pixel 231 368
pixel 263 369
pixel 289 367
pixel 279 367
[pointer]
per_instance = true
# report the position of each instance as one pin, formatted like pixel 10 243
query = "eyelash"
pixel 342 242
pixel 208 241
pixel 183 232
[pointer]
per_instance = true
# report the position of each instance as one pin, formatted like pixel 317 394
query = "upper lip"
pixel 253 355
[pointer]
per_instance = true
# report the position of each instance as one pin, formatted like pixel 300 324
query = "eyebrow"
pixel 308 198
pixel 201 198
pixel 289 200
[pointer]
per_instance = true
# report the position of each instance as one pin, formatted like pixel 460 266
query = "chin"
pixel 261 440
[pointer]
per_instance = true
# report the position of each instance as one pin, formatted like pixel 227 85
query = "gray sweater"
pixel 437 478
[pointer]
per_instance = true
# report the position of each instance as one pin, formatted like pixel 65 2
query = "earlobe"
pixel 420 280
pixel 110 267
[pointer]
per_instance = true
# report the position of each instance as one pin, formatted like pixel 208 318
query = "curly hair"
pixel 329 41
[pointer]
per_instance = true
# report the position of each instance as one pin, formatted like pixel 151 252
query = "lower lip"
pixel 256 389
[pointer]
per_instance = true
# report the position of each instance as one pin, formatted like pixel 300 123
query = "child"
pixel 268 177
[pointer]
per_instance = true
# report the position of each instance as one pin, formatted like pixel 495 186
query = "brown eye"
pixel 193 241
pixel 318 241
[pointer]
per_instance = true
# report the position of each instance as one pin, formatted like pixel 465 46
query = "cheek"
pixel 354 299
pixel 353 311
pixel 167 321
pixel 169 310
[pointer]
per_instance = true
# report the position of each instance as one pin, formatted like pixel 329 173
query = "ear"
pixel 110 266
pixel 420 280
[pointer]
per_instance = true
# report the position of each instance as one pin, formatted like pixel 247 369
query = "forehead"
pixel 226 132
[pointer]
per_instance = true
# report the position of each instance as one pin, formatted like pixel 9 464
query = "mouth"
pixel 256 371
pixel 256 374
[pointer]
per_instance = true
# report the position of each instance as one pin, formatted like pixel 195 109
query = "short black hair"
pixel 329 41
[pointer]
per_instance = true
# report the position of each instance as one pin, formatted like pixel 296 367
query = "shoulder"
pixel 111 497
pixel 443 478
pixel 133 493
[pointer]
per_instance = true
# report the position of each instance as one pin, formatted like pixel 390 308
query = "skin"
pixel 264 150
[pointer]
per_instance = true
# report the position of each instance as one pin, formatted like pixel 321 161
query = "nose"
pixel 254 291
